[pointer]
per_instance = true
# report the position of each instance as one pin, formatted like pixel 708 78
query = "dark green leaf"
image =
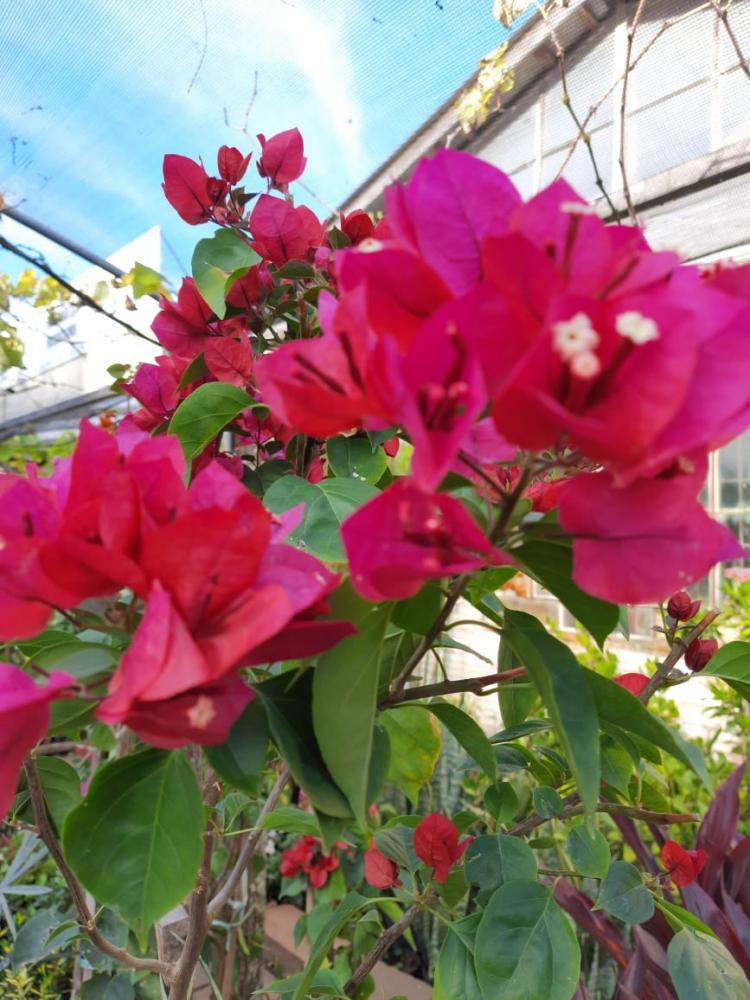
pixel 468 733
pixel 528 728
pixel 493 861
pixel 55 650
pixel 69 716
pixel 353 458
pixel 418 613
pixel 623 894
pixel 526 948
pixel 562 684
pixel 214 260
pixel 702 969
pixel 550 563
pixel 35 938
pixel 732 664
pixel 455 975
pixel 616 764
pixel 345 687
pixel 398 647
pixel 324 983
pixel 107 988
pixel 150 802
pixel 396 842
pixel 288 703
pixel 547 802
pixel 61 786
pixel 290 819
pixel 379 764
pixel 205 413
pixel 516 698
pixel 351 904
pixel 589 851
pixel 327 504
pixel 195 370
pixel 240 760
pixel 617 706
pixel 501 801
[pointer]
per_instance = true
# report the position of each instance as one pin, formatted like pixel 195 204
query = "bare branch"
pixel 722 12
pixel 623 109
pixel 676 652
pixel 382 945
pixel 473 685
pixel 78 896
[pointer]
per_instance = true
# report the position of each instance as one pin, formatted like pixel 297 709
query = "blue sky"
pixel 94 92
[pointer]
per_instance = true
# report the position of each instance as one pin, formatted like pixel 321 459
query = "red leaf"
pixel 719 827
pixel 186 188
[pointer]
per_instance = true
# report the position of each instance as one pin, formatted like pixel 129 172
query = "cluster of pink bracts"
pixel 221 589
pixel 491 331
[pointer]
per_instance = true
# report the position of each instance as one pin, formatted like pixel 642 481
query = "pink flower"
pixel 182 326
pixel 635 683
pixel 282 158
pixel 283 232
pixel 380 872
pixel 186 187
pixel 307 856
pixel 405 536
pixel 229 360
pixel 357 225
pixel 232 164
pixel 636 543
pixel 436 844
pixel 682 865
pixel 24 719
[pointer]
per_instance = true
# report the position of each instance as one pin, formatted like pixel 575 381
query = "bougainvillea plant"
pixel 232 598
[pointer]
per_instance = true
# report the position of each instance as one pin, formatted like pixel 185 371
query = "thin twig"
pixel 198 924
pixel 677 651
pixel 78 896
pixel 472 685
pixel 204 47
pixel 37 261
pixel 632 28
pixel 721 11
pixel 574 808
pixel 382 945
pixel 249 848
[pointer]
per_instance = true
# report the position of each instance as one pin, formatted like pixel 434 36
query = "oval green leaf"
pixel 589 851
pixel 241 758
pixel 135 840
pixel 526 948
pixel 623 895
pixel 702 969
pixel 205 413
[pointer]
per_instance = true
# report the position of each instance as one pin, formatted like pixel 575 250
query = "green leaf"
pixel 493 861
pixel 59 650
pixel 61 786
pixel 107 988
pixel 288 702
pixel 351 904
pixel 468 733
pixel 327 504
pixel 214 260
pixel 295 269
pixel 516 698
pixel 69 716
pixel 418 613
pixel 135 840
pixel 732 664
pixel 353 458
pixel 550 563
pixel 702 969
pixel 678 918
pixel 36 938
pixel 502 802
pixel 290 819
pixel 379 764
pixel 562 684
pixel 589 851
pixel 345 687
pixel 396 842
pixel 324 983
pixel 623 894
pixel 547 802
pixel 205 413
pixel 398 647
pixel 415 747
pixel 195 370
pixel 617 765
pixel 619 707
pixel 241 758
pixel 528 728
pixel 146 281
pixel 526 948
pixel 455 975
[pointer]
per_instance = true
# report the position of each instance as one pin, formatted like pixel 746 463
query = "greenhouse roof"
pixel 93 93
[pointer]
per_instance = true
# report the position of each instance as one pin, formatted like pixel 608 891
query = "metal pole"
pixel 39 227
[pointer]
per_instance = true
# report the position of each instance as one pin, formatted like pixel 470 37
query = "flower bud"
pixel 681 606
pixel 699 652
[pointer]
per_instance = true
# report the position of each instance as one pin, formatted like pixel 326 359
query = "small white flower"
pixel 370 245
pixel 585 365
pixel 574 336
pixel 636 327
pixel 202 713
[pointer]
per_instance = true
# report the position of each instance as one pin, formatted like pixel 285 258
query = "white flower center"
pixel 574 336
pixel 202 713
pixel 585 365
pixel 636 327
pixel 370 245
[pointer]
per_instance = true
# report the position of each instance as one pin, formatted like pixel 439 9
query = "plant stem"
pixel 198 924
pixel 248 848
pixel 382 945
pixel 86 919
pixel 679 647
pixel 470 684
pixel 574 808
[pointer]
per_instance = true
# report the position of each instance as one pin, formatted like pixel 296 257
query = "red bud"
pixel 681 606
pixel 699 652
